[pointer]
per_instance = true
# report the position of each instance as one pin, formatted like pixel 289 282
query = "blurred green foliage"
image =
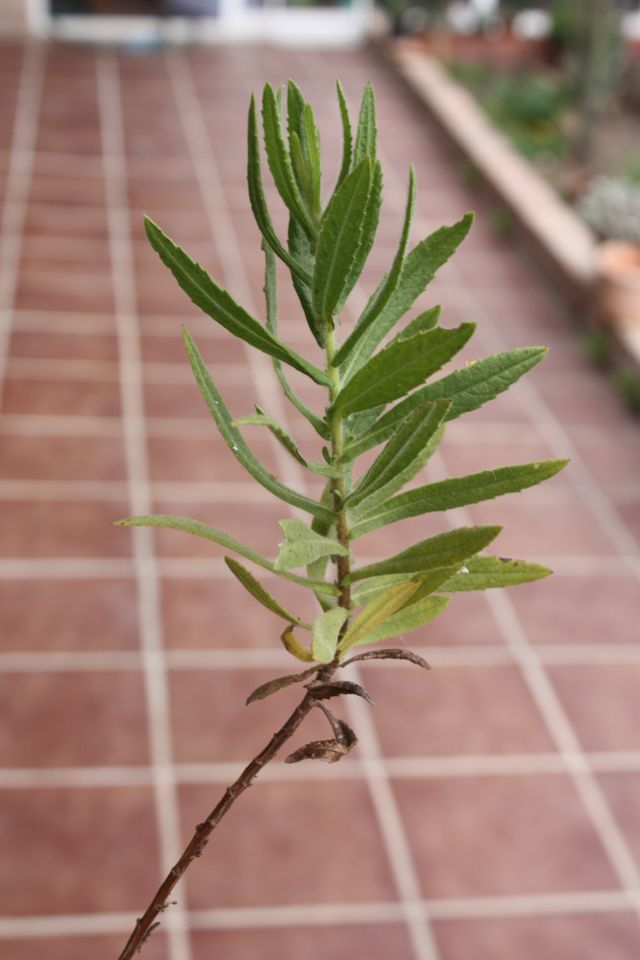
pixel 529 106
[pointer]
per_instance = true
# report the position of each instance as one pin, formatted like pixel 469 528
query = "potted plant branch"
pixel 381 398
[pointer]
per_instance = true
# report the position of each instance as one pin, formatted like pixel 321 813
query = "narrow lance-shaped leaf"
pixel 258 201
pixel 429 582
pixel 419 268
pixel 207 532
pixel 443 550
pixel 259 593
pixel 404 448
pixel 376 613
pixel 270 292
pixel 339 239
pixel 302 546
pixel 400 367
pixel 366 134
pixel 278 683
pixel 311 146
pixel 279 161
pixel 410 617
pixel 293 646
pixel 347 136
pixel 369 228
pixel 381 296
pixel 301 248
pixel 467 389
pixel 284 438
pixel 458 492
pixel 426 320
pixel 486 573
pixel 325 631
pixel 235 441
pixel 295 108
pixel 220 306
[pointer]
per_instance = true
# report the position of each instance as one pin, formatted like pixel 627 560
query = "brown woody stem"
pixel 146 923
pixel 149 919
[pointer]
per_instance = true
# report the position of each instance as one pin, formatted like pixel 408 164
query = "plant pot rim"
pixel 618 258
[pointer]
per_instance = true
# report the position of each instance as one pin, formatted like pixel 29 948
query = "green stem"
pixel 339 485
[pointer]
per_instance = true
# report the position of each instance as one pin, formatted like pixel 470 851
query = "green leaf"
pixel 411 617
pixel 347 136
pixel 257 591
pixel 419 268
pixel 326 631
pixel 295 110
pixel 293 646
pixel 369 228
pixel 376 613
pixel 220 306
pixel 443 550
pixel 270 291
pixel 199 529
pixel 339 241
pixel 467 389
pixel 235 441
pixel 485 573
pixel 428 583
pixel 258 201
pixel 286 440
pixel 302 546
pixel 279 161
pixel 384 291
pixel 458 492
pixel 301 248
pixel 311 142
pixel 395 464
pixel 367 133
pixel 400 367
pixel 420 324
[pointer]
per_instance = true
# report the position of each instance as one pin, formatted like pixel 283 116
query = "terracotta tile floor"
pixel 490 811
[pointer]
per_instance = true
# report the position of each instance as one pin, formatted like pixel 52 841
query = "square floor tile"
pixel 427 714
pixel 580 609
pixel 99 844
pixel 71 614
pixel 57 529
pixel 61 458
pixel 488 836
pixel 206 458
pixel 376 942
pixel 615 936
pixel 73 719
pixel 61 397
pixel 544 522
pixel 602 702
pixel 81 948
pixel 289 843
pixel 622 790
pixel 213 724
pixel 217 613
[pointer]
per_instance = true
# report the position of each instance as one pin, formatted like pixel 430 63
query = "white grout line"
pixel 150 626
pixel 540 686
pixel 563 903
pixel 17 190
pixel 273 657
pixel 401 768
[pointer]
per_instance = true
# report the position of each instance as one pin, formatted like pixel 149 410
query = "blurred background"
pixel 490 809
